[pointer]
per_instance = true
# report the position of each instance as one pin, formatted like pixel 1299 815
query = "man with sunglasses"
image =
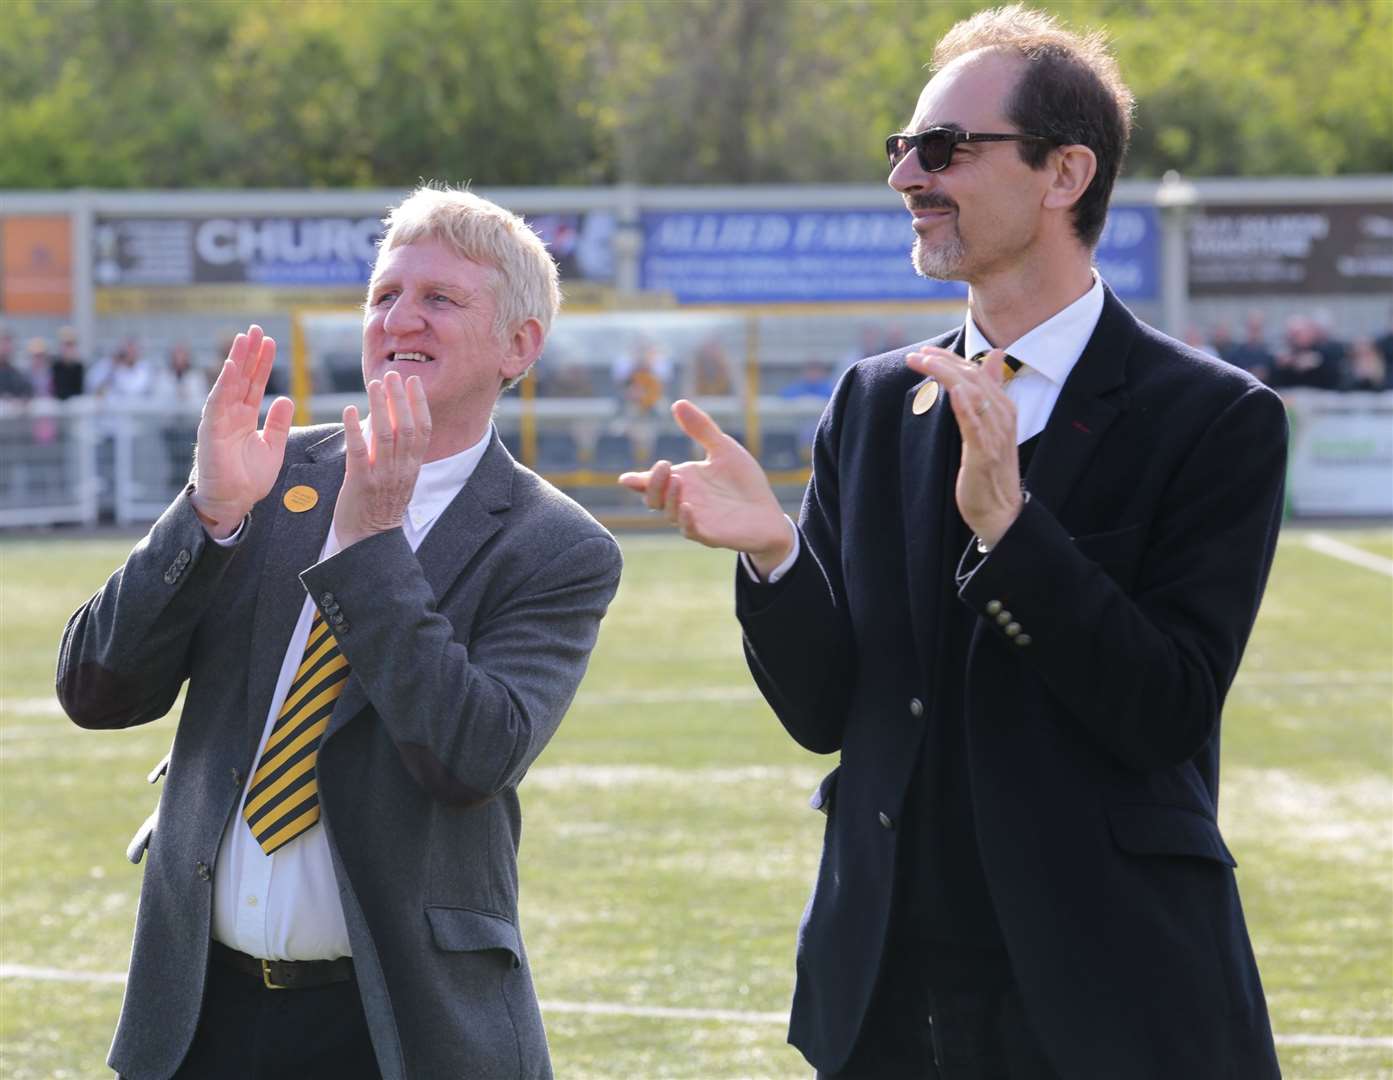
pixel 1015 599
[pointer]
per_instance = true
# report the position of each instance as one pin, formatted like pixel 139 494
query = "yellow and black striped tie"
pixel 1013 366
pixel 283 800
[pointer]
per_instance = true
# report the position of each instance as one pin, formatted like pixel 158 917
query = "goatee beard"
pixel 942 261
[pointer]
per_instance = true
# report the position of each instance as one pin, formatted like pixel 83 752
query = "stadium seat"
pixel 779 450
pixel 673 446
pixel 556 451
pixel 614 452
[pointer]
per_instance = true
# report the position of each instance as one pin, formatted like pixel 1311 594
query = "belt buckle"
pixel 266 977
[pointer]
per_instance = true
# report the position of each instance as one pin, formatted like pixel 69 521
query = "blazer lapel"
pixel 928 469
pixel 293 544
pixel 469 520
pixel 456 537
pixel 1088 404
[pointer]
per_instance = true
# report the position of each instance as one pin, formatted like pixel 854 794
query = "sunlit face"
pixel 983 211
pixel 431 313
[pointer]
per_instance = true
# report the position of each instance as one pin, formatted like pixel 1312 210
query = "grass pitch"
pixel 668 848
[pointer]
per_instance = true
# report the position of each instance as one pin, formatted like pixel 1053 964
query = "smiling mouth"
pixel 409 358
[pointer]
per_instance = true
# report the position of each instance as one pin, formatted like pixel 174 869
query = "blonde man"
pixel 381 624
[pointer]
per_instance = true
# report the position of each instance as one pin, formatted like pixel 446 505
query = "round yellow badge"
pixel 925 397
pixel 300 498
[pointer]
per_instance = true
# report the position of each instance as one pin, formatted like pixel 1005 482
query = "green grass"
pixel 668 847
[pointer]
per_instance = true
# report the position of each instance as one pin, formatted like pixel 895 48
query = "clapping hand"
pixel 724 501
pixel 237 464
pixel 989 480
pixel 380 475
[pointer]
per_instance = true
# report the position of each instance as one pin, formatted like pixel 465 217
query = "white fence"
pixel 85 461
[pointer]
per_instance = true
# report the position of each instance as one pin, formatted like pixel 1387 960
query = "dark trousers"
pixel 249 1032
pixel 912 1032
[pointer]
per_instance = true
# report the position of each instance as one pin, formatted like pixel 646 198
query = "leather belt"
pixel 286 974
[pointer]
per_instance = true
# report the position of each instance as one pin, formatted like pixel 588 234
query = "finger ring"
pixel 981 409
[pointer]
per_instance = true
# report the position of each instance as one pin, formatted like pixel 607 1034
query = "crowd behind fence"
pixel 112 440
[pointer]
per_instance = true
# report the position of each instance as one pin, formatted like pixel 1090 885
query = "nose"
pixel 908 175
pixel 402 317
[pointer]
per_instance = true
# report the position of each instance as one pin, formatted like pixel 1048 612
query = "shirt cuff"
pixel 783 567
pixel 228 541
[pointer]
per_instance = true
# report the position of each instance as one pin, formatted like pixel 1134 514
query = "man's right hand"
pixel 237 464
pixel 724 501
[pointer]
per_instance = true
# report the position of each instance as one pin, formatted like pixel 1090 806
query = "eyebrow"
pixel 434 286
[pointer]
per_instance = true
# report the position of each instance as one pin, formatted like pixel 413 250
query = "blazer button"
pixel 1012 629
pixel 993 606
pixel 1023 639
pixel 885 822
pixel 204 874
pixel 1003 618
pixel 327 599
pixel 916 707
pixel 237 778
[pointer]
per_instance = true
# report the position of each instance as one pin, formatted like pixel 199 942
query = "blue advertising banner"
pixel 823 256
pixel 298 251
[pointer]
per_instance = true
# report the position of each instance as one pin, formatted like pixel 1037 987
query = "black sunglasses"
pixel 936 145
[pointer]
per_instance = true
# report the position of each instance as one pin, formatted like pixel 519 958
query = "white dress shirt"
pixel 1047 353
pixel 285 906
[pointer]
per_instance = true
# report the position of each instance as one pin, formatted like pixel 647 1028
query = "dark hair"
pixel 1071 92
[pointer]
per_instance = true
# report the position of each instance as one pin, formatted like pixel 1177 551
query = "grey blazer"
pixel 464 656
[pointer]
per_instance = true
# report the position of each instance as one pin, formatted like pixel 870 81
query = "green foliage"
pixel 256 93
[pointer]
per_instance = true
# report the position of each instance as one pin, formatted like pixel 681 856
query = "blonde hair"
pixel 525 281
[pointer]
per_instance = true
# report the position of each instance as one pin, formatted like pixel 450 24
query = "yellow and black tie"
pixel 1013 366
pixel 283 800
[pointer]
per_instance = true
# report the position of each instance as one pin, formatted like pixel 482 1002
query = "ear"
pixel 1072 169
pixel 524 346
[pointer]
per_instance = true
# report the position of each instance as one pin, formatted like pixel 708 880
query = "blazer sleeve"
pixel 797 634
pixel 467 717
pixel 1144 668
pixel 124 654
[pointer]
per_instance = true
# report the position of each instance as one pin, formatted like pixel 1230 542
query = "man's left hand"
pixel 989 479
pixel 380 476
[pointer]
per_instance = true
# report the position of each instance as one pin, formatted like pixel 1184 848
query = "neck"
pixel 448 439
pixel 1007 305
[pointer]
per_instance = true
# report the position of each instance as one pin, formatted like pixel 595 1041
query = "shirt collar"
pixel 1053 347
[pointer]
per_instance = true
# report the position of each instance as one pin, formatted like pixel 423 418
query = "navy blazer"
pixel 1112 617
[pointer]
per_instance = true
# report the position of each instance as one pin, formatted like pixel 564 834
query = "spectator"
pixel 816 381
pixel 40 365
pixel 1368 369
pixel 711 371
pixel 1332 350
pixel 1384 343
pixel 644 353
pixel 69 371
pixel 1196 338
pixel 643 387
pixel 127 377
pixel 14 384
pixel 1307 359
pixel 1252 354
pixel 181 382
pixel 1221 343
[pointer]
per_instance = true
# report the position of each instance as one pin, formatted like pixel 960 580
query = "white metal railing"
pixel 87 460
